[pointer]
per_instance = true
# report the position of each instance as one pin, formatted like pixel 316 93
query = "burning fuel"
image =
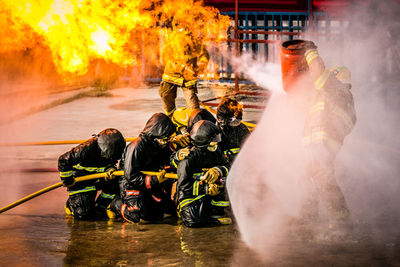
pixel 77 33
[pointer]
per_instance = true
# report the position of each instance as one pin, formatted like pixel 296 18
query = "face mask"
pixel 212 146
pixel 233 122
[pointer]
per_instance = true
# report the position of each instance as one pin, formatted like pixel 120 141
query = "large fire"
pixel 79 32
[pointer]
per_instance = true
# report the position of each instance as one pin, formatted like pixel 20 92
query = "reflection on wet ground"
pixel 37 233
pixel 58 240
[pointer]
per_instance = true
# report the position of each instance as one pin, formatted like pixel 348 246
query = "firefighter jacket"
pixel 183 67
pixel 84 159
pixel 332 114
pixel 191 169
pixel 232 140
pixel 144 154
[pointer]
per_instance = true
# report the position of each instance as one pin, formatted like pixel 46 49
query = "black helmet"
pixel 111 143
pixel 199 114
pixel 203 133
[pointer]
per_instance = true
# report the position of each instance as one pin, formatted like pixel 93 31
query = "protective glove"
pixel 161 176
pixel 213 190
pixel 109 174
pixel 211 175
pixel 309 45
pixel 181 140
pixel 68 181
pixel 183 153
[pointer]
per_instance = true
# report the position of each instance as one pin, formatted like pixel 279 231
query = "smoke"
pixel 265 74
pixel 264 185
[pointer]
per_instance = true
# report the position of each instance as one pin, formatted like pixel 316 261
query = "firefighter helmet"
pixel 229 112
pixel 203 133
pixel 180 117
pixel 342 73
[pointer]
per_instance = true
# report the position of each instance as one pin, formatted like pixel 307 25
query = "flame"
pixel 78 32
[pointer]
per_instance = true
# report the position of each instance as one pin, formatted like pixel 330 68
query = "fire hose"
pixel 77 180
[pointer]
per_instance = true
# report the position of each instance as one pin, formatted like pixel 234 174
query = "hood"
pixel 158 126
pixel 111 143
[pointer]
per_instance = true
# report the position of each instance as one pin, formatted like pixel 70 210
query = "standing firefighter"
pixel 234 132
pixel 330 119
pixel 201 178
pixel 142 196
pixel 185 57
pixel 98 154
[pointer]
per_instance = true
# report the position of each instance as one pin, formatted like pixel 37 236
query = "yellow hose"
pixel 77 180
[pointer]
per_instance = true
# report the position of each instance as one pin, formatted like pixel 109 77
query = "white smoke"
pixel 263 183
pixel 265 74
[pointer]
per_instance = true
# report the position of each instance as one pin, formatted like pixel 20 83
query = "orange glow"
pixel 78 32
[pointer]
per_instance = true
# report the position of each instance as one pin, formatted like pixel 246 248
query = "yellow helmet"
pixel 341 73
pixel 181 117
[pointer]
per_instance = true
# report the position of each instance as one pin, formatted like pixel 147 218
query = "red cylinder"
pixel 293 63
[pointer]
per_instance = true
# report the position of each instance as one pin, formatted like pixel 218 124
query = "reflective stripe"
pixel 317 107
pixel 86 189
pixel 132 208
pixel 196 186
pixel 132 192
pixel 156 198
pixel 148 181
pixel 197 175
pixel 104 195
pixel 311 55
pixel 220 203
pixel 171 79
pixel 226 169
pixel 89 169
pixel 232 151
pixel 317 137
pixel 190 83
pixel 66 174
pixel 188 201
pixel 320 82
pixel 123 211
pixel 173 163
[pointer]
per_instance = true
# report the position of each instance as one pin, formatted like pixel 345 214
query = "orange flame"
pixel 121 32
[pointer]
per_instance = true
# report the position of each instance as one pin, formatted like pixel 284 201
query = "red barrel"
pixel 293 63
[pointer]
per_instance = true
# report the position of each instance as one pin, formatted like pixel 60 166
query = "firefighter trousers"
pixel 168 93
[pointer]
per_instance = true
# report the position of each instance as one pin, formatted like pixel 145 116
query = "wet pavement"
pixel 38 233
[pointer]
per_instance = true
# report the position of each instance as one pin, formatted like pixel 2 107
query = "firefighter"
pixel 234 132
pixel 185 57
pixel 195 116
pixel 98 154
pixel 330 119
pixel 201 178
pixel 142 196
pixel 180 118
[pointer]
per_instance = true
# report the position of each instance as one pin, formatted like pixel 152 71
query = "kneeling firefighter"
pixel 201 178
pixel 142 196
pixel 98 154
